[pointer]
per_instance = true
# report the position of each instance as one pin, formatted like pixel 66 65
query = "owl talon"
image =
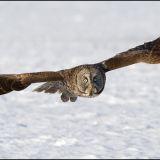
pixel 73 99
pixel 64 98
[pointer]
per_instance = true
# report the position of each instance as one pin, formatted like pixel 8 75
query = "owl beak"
pixel 95 90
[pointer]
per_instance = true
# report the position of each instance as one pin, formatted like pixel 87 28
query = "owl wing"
pixel 57 86
pixel 17 82
pixel 9 83
pixel 149 53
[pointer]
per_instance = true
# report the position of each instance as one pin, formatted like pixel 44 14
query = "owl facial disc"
pixel 90 81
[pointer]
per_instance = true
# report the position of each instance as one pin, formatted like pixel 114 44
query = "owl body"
pixel 83 81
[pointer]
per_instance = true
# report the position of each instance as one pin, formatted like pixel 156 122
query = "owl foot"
pixel 53 87
pixel 66 98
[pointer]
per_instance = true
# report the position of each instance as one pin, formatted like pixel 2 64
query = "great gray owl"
pixel 86 80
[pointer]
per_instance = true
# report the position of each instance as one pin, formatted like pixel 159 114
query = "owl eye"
pixel 85 80
pixel 95 79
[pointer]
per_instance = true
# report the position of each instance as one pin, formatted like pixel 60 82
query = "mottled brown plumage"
pixel 17 82
pixel 148 53
pixel 85 80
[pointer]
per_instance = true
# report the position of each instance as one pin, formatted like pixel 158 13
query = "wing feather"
pixel 149 53
pixel 17 82
pixel 10 83
pixel 50 87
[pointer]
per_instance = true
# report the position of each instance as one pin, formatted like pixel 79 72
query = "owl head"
pixel 90 80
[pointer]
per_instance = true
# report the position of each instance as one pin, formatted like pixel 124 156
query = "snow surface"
pixel 123 122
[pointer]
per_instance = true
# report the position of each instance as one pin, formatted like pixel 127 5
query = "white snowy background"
pixel 123 122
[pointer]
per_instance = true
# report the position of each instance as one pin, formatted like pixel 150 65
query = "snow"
pixel 123 122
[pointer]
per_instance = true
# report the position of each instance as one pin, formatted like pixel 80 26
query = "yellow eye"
pixel 85 80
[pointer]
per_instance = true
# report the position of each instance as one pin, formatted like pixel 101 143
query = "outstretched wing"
pixel 57 86
pixel 148 53
pixel 17 82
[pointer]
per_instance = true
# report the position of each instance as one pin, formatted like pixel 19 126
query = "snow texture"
pixel 123 122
